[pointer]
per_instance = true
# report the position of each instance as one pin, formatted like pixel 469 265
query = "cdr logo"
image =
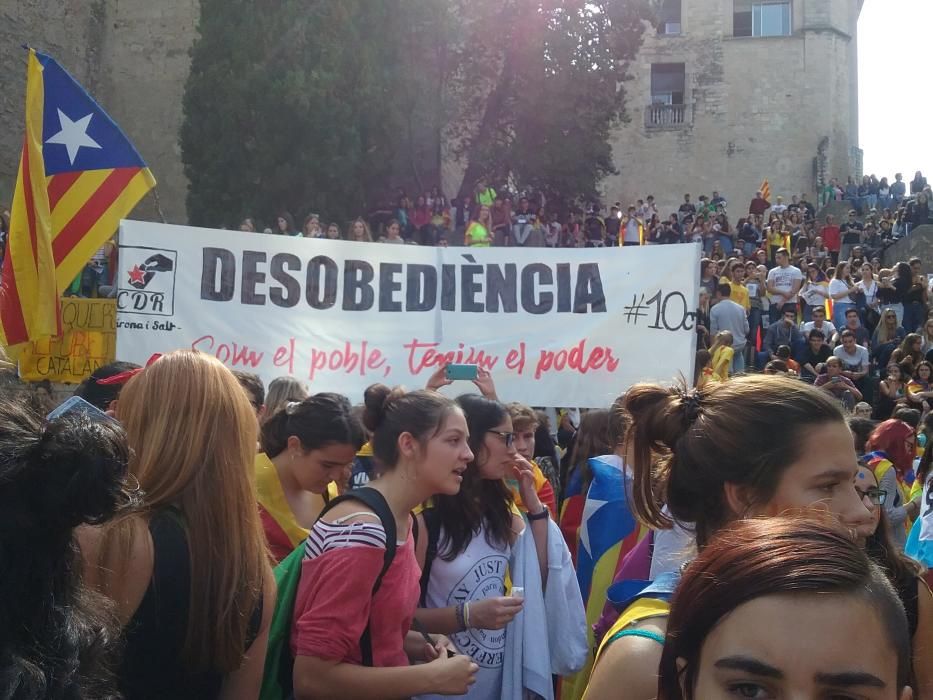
pixel 147 285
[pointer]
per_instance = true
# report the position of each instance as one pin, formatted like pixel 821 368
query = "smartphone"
pixel 457 372
pixel 75 404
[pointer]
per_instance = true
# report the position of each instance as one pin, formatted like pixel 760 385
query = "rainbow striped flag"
pixel 78 176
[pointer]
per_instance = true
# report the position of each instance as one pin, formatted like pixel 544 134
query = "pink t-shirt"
pixel 334 599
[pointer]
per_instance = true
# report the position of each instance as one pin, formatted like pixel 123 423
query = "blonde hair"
pixel 281 392
pixel 367 235
pixel 722 339
pixel 193 435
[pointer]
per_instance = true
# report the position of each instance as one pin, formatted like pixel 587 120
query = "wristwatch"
pixel 539 516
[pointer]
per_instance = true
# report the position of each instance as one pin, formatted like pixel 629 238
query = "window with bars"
pixel 755 18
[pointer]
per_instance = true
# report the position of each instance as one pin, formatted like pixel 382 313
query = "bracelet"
pixel 539 516
pixel 466 616
pixel 461 622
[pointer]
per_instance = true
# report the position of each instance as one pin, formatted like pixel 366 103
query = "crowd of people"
pixel 501 217
pixel 864 339
pixel 178 531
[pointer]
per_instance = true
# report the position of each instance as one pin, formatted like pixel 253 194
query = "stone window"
pixel 667 83
pixel 669 17
pixel 761 18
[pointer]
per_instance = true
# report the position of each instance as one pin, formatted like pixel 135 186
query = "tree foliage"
pixel 317 105
pixel 554 71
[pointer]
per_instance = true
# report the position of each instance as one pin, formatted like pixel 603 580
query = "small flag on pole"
pixel 78 176
pixel 765 190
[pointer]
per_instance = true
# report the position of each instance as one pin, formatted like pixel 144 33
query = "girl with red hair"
pixel 891 450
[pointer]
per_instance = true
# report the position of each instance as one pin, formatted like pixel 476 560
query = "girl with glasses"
pixel 891 450
pixel 463 584
pixel 905 575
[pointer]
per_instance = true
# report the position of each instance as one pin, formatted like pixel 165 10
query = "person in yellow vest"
pixel 306 447
pixel 752 446
pixel 479 233
pixel 484 194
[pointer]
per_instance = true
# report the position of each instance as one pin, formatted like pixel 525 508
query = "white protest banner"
pixel 564 327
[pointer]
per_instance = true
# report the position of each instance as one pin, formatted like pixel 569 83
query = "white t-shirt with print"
pixel 783 279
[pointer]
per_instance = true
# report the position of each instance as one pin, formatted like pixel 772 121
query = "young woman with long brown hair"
pixel 756 445
pixel 188 569
pixel 465 592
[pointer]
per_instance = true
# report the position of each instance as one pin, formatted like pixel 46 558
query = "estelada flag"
pixel 78 176
pixel 765 189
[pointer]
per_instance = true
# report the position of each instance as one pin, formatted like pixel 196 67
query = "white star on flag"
pixel 73 135
pixel 592 505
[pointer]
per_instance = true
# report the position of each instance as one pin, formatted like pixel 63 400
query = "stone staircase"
pixel 918 244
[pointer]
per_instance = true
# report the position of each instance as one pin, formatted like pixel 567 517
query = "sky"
pixel 895 48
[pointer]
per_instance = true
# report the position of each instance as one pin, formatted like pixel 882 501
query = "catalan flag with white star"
pixel 78 176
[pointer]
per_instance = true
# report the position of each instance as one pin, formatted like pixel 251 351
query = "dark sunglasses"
pixel 508 437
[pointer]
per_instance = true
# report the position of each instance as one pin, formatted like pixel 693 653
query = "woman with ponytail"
pixel 752 446
pixel 420 440
pixel 306 447
pixel 57 638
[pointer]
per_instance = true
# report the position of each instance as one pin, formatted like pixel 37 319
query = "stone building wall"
pixel 757 107
pixel 131 55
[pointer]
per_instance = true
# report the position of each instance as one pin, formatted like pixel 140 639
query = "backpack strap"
pixel 433 526
pixel 377 503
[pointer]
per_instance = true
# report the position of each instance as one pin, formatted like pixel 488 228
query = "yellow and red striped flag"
pixel 765 189
pixel 78 176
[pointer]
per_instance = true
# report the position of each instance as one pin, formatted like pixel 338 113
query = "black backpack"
pixel 432 524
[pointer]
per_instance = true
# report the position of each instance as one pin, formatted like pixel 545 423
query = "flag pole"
pixel 158 203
